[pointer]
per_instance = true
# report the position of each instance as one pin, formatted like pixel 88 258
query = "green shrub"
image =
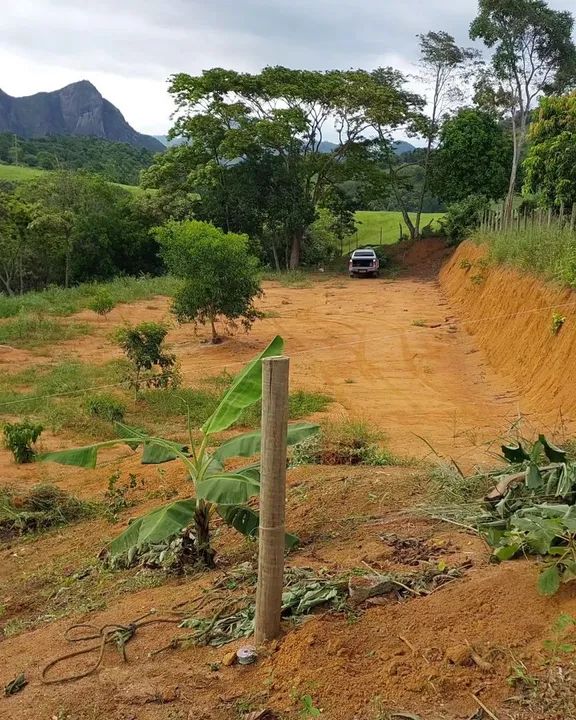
pixel 103 302
pixel 151 365
pixel 463 217
pixel 19 439
pixel 106 407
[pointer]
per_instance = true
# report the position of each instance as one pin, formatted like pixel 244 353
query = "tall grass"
pixel 549 252
pixel 65 301
pixel 35 330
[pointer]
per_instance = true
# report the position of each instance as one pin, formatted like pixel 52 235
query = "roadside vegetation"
pixel 67 301
pixel 548 252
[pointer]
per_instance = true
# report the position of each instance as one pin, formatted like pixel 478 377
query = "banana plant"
pixel 215 489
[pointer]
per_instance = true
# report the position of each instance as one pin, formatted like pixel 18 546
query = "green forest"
pixel 251 158
pixel 113 161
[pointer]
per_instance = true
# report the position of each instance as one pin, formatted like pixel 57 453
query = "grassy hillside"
pixel 19 173
pixel 383 227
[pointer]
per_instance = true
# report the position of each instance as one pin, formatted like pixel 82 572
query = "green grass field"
pixel 383 227
pixel 17 173
pixel 20 173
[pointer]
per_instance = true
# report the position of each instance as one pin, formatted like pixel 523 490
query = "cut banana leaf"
pixel 515 453
pixel 553 453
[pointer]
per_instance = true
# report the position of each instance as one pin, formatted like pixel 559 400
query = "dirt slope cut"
pixel 510 316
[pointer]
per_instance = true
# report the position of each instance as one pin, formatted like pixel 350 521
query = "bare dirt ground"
pixel 390 351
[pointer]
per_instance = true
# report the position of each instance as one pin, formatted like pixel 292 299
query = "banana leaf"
pixel 84 457
pixel 244 391
pixel 247 522
pixel 227 488
pixel 156 450
pixel 249 444
pixel 155 527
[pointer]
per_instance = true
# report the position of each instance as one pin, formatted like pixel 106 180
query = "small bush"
pixel 106 407
pixel 350 442
pixel 463 217
pixel 558 321
pixel 19 439
pixel 103 303
pixel 151 365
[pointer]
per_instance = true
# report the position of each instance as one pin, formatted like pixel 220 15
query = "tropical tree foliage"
pixel 221 277
pixel 261 136
pixel 113 161
pixel 551 159
pixel 533 54
pixel 474 158
pixel 70 227
pixel 446 68
pixel 216 491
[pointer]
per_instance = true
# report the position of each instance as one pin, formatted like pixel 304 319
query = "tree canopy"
pixel 261 135
pixel 474 158
pixel 551 159
pixel 533 54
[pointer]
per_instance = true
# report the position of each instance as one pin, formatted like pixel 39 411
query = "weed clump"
pixel 106 407
pixel 44 507
pixel 349 442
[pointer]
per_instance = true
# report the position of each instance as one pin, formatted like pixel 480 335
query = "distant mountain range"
pixel 400 146
pixel 77 109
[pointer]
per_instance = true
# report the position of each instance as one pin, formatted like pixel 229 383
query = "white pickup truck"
pixel 364 262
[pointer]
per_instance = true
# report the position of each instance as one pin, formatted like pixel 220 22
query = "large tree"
pixel 276 122
pixel 474 158
pixel 445 67
pixel 533 54
pixel 551 158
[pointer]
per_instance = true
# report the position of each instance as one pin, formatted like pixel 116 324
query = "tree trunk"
pixel 295 251
pixel 276 258
pixel 21 274
pixel 417 233
pixel 519 137
pixel 7 284
pixel 67 270
pixel 202 530
pixel 214 331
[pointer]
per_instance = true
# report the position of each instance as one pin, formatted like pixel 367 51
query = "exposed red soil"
pixel 358 341
pixel 509 316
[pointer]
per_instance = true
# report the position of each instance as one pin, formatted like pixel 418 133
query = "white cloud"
pixel 128 48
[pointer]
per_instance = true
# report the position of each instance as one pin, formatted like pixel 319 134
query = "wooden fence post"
pixel 573 217
pixel 549 216
pixel 275 374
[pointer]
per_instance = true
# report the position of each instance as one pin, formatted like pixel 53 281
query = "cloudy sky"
pixel 128 48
